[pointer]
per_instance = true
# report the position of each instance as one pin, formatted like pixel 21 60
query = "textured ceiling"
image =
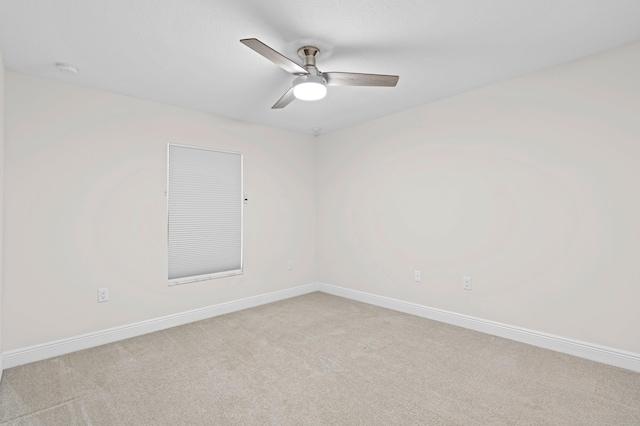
pixel 187 52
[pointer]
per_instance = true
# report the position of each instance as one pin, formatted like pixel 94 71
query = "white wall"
pixel 85 183
pixel 1 196
pixel 528 186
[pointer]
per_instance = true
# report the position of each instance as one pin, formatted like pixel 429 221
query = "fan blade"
pixel 277 58
pixel 285 100
pixel 356 79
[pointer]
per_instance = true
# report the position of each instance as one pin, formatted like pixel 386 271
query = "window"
pixel 204 199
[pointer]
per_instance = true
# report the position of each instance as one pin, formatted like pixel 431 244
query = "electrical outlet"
pixel 417 275
pixel 103 295
pixel 290 265
pixel 466 283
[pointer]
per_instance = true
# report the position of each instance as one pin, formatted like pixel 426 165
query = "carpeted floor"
pixel 318 360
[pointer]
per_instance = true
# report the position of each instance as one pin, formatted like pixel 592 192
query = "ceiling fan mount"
pixel 308 54
pixel 310 83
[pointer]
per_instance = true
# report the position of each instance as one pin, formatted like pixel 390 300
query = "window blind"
pixel 204 198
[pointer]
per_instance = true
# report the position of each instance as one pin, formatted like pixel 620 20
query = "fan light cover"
pixel 309 88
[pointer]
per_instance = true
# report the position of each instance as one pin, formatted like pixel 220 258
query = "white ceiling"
pixel 187 52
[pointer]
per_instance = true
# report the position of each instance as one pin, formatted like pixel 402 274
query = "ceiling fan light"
pixel 309 88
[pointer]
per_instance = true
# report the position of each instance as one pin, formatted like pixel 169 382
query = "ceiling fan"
pixel 310 84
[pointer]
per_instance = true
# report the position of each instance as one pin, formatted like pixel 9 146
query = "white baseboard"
pixel 64 346
pixel 603 354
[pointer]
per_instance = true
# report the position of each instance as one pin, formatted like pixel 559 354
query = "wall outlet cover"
pixel 466 283
pixel 103 295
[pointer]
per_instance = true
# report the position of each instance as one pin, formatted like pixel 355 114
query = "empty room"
pixel 319 213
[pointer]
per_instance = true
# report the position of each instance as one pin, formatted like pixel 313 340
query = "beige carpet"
pixel 318 360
